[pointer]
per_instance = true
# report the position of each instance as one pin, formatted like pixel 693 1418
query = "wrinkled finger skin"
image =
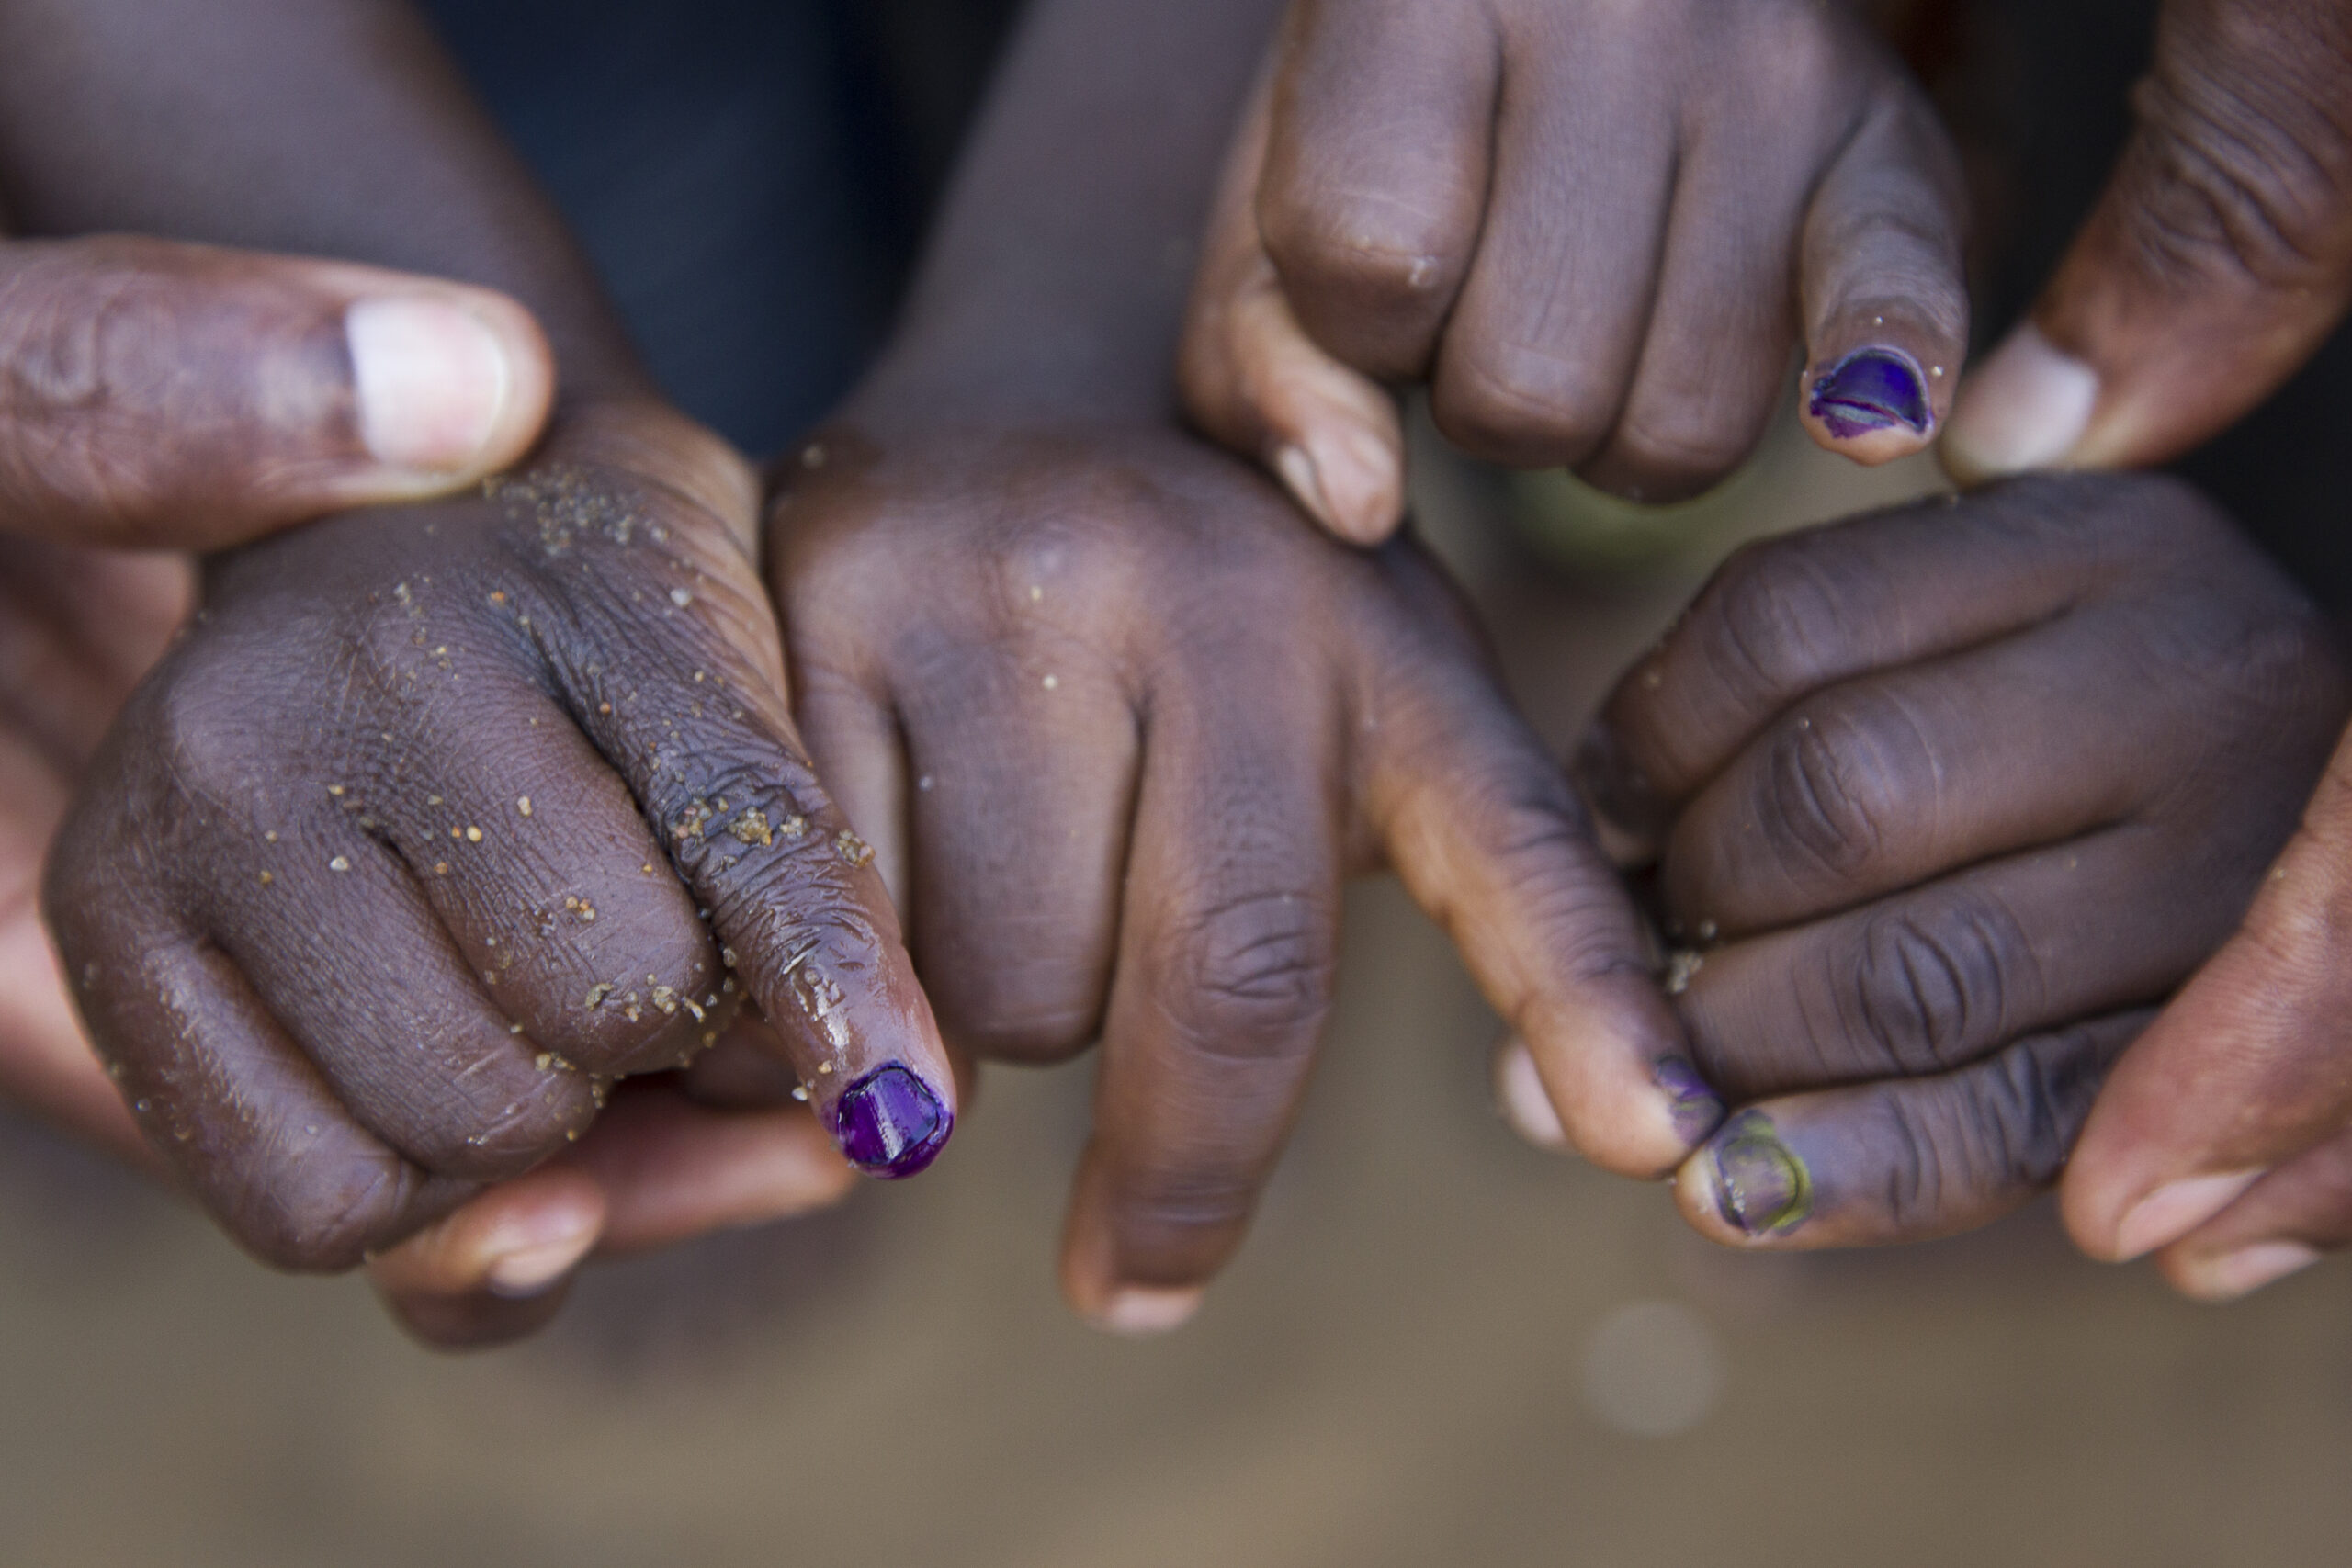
pixel 2217 261
pixel 1595 231
pixel 442 819
pixel 1935 798
pixel 1134 724
pixel 2221 1139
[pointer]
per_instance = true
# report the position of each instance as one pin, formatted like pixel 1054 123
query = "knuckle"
pixel 1836 781
pixel 1170 1207
pixel 1361 249
pixel 1931 988
pixel 326 1221
pixel 1682 448
pixel 1523 407
pixel 1771 622
pixel 2250 187
pixel 1253 976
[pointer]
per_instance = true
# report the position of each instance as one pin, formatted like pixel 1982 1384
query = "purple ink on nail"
pixel 1760 1184
pixel 1696 1108
pixel 890 1123
pixel 1869 389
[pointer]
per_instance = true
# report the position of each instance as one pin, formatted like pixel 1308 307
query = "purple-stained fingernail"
pixel 1696 1107
pixel 1869 389
pixel 1761 1185
pixel 890 1125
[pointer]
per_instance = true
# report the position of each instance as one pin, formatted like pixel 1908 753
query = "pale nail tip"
pixel 1297 470
pixel 1522 1102
pixel 2173 1210
pixel 1141 1312
pixel 2248 1270
pixel 431 382
pixel 2025 407
pixel 534 1269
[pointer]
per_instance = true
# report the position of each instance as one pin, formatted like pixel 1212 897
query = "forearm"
pixel 333 127
pixel 1055 280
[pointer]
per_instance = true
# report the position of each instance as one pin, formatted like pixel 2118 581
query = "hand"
pixel 2218 260
pixel 1595 230
pixel 1942 798
pixel 444 818
pixel 1117 727
pixel 2224 1139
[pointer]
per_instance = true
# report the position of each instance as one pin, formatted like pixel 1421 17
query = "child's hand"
pixel 1939 797
pixel 443 819
pixel 1594 228
pixel 1118 728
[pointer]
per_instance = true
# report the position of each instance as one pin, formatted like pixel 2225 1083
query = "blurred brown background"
pixel 1440 1347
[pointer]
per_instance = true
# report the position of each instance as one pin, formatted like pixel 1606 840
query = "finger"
pixel 2284 1224
pixel 1791 617
pixel 697 725
pixel 2218 259
pixel 656 1170
pixel 1375 173
pixel 1228 942
pixel 1708 370
pixel 1542 346
pixel 233 1106
pixel 497 1270
pixel 1884 286
pixel 1935 978
pixel 528 848
pixel 182 396
pixel 1251 377
pixel 1017 886
pixel 328 925
pixel 1905 1160
pixel 1488 839
pixel 2243 1070
pixel 1879 783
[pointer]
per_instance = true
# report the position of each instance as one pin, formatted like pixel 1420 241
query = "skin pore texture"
pixel 1595 231
pixel 443 819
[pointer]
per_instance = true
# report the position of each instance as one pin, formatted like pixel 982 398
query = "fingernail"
pixel 2024 408
pixel 1306 486
pixel 1521 1099
pixel 529 1270
pixel 1141 1311
pixel 1356 475
pixel 890 1125
pixel 1871 389
pixel 2247 1271
pixel 1696 1109
pixel 431 380
pixel 1761 1185
pixel 2171 1211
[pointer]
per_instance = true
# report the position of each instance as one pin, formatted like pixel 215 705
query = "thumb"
pixel 2244 1071
pixel 179 396
pixel 2218 259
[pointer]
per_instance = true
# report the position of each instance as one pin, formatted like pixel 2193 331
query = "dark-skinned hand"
pixel 2217 261
pixel 442 820
pixel 1595 231
pixel 1119 725
pixel 1941 801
